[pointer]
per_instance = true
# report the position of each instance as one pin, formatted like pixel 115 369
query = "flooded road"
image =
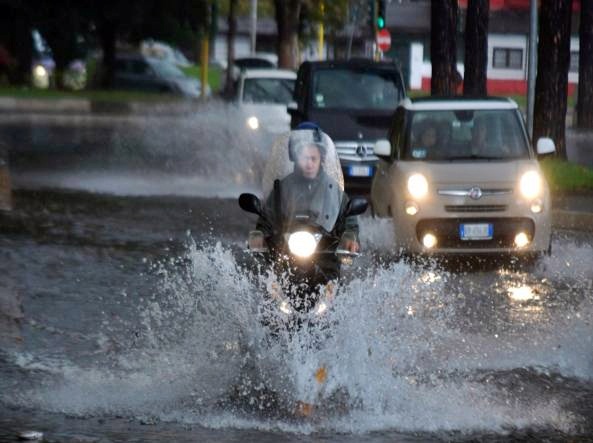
pixel 142 322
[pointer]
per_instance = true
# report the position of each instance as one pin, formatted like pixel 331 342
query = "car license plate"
pixel 476 231
pixel 360 171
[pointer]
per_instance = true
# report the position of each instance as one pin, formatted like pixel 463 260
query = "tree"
pixel 16 24
pixel 551 83
pixel 585 91
pixel 232 23
pixel 443 27
pixel 476 48
pixel 287 20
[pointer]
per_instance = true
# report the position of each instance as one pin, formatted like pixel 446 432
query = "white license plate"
pixel 476 231
pixel 360 171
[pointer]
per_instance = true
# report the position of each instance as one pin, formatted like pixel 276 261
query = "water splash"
pixel 397 347
pixel 207 152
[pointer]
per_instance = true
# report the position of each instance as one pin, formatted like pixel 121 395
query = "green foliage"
pixel 566 176
pixel 265 8
pixel 214 75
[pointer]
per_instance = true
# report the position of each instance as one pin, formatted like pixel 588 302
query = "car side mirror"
pixel 382 148
pixel 292 107
pixel 545 145
pixel 250 203
pixel 356 206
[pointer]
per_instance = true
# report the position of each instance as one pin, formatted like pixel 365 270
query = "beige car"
pixel 460 176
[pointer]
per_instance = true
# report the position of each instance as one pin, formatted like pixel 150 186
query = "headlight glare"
pixel 302 243
pixel 417 185
pixel 40 71
pixel 253 122
pixel 530 184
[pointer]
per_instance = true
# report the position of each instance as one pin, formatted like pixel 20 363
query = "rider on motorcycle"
pixel 307 226
pixel 309 187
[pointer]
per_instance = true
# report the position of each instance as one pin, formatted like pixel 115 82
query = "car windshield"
pixel 268 90
pixel 166 70
pixel 253 63
pixel 465 135
pixel 356 89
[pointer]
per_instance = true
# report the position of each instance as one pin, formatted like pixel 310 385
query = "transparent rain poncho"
pixel 303 201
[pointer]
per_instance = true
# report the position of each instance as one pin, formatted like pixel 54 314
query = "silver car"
pixel 460 176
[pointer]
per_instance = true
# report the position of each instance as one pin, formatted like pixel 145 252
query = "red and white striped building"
pixel 409 23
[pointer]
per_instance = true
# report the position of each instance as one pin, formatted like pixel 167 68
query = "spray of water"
pixel 396 348
pixel 208 152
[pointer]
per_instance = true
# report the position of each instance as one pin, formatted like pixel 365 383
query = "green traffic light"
pixel 380 22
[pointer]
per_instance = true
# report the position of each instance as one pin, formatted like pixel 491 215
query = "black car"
pixel 353 101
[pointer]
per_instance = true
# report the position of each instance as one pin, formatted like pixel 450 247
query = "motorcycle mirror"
pixel 250 203
pixel 356 206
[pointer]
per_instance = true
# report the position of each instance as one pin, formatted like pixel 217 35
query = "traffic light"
pixel 381 14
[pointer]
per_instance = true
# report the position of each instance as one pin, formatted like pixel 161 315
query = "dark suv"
pixel 353 101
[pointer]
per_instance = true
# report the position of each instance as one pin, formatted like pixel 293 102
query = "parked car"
pixel 353 102
pixel 134 71
pixel 164 52
pixel 262 95
pixel 460 176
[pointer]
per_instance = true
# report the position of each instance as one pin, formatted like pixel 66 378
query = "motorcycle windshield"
pixel 310 186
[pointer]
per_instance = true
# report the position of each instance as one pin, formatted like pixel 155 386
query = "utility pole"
pixel 532 67
pixel 320 30
pixel 253 27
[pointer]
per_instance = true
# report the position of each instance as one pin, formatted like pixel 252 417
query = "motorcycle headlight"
pixel 417 185
pixel 302 243
pixel 253 122
pixel 530 184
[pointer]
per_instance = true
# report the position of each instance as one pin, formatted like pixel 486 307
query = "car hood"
pixel 272 117
pixel 353 124
pixel 471 173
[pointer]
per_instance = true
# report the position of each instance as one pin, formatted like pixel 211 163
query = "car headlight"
pixel 253 122
pixel 417 185
pixel 40 71
pixel 302 243
pixel 530 184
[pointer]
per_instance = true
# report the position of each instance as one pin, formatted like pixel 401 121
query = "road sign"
pixel 383 40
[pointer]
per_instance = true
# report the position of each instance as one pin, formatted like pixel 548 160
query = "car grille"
pixel 447 231
pixel 475 208
pixel 356 151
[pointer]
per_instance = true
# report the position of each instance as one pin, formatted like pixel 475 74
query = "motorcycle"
pixel 302 236
pixel 306 256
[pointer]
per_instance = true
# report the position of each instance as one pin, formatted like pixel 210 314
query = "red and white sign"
pixel 383 40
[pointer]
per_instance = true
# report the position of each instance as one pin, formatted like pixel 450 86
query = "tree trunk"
pixel 287 21
pixel 108 37
pixel 229 85
pixel 476 48
pixel 549 119
pixel 443 30
pixel 585 92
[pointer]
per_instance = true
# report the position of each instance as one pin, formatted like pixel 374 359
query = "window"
pixel 465 135
pixel 268 90
pixel 507 58
pixel 353 88
pixel 574 61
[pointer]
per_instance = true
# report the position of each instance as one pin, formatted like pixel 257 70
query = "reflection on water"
pixel 522 293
